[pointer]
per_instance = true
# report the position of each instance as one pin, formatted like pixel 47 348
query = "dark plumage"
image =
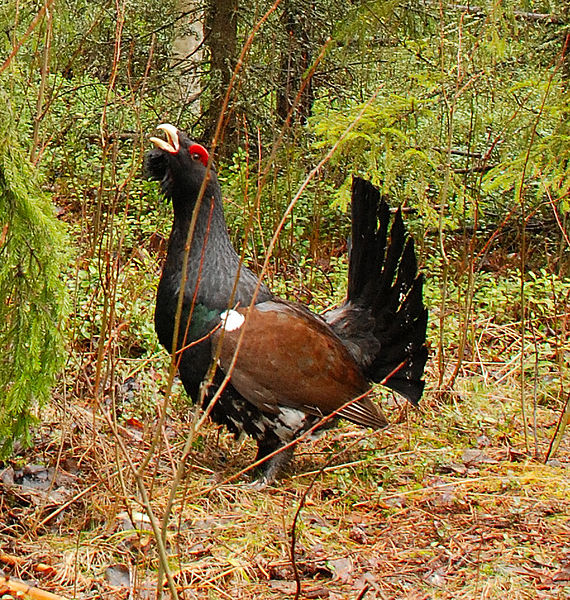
pixel 292 367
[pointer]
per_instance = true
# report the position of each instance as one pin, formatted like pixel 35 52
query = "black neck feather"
pixel 212 265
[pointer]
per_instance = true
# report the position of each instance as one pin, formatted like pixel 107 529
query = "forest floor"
pixel 446 503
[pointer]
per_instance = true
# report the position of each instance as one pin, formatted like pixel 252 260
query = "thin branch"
pixel 26 35
pixel 560 429
pixel 518 14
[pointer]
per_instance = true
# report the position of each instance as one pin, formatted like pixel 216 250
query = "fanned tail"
pixel 383 322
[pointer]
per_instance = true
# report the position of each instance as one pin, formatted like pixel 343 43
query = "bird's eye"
pixel 200 153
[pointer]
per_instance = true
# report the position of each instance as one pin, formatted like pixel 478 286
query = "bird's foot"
pixel 271 469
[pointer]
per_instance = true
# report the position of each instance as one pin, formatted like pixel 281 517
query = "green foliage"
pixel 32 307
pixel 84 35
pixel 461 116
pixel 470 121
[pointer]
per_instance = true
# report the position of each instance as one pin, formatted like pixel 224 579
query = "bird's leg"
pixel 268 471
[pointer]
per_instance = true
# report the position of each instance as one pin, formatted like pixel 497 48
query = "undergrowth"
pixel 463 120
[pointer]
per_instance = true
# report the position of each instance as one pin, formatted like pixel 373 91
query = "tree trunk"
pixel 221 39
pixel 186 57
pixel 295 60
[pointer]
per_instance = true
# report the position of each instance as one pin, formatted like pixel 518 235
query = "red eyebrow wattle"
pixel 201 152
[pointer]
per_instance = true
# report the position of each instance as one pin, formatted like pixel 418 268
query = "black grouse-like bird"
pixel 292 366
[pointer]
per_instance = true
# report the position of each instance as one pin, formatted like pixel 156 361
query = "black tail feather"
pixel 408 268
pixel 368 242
pixel 392 262
pixel 383 279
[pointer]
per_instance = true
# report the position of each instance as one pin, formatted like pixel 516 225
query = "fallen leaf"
pixel 474 456
pixel 118 576
pixel 342 569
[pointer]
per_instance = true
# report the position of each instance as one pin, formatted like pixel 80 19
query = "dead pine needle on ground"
pixel 446 503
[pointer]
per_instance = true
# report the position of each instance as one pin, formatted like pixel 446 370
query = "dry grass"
pixel 445 504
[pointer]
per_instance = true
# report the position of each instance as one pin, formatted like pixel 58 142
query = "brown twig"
pixel 26 35
pixel 19 588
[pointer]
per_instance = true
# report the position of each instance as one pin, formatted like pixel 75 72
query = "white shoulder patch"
pixel 231 320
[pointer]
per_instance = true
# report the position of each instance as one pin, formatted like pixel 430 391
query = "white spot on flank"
pixel 231 320
pixel 290 417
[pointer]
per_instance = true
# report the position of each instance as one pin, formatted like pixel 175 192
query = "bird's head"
pixel 179 164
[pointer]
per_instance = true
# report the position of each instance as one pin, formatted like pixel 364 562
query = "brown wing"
pixel 289 357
